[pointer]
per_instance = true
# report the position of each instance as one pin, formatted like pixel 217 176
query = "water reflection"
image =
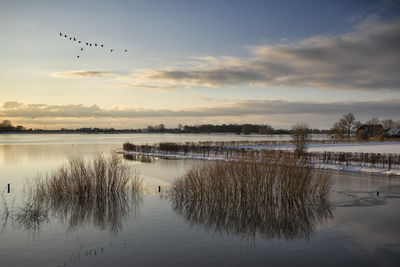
pixel 107 213
pixel 103 213
pixel 292 219
pixel 31 217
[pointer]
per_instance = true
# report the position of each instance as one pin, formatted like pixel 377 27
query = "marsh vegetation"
pixel 284 198
pixel 103 191
pixel 98 178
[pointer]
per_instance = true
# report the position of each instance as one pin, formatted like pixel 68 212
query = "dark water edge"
pixel 366 236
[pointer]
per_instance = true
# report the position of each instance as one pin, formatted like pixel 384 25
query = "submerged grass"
pixel 283 197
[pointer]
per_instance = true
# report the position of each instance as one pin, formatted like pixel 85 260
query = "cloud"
pixel 135 80
pixel 212 99
pixel 157 87
pixel 82 74
pixel 366 59
pixel 383 108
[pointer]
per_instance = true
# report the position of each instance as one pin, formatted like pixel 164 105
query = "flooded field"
pixel 356 225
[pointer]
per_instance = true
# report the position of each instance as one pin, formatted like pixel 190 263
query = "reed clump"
pixel 283 197
pixel 87 179
pixel 103 191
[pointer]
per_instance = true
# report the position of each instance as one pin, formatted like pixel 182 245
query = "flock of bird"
pixel 74 39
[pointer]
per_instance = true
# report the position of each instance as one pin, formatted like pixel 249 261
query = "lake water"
pixel 359 228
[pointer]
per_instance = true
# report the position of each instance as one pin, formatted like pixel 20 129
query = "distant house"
pixel 371 129
pixel 394 132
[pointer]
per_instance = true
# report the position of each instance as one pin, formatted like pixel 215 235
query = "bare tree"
pixel 345 125
pixel 300 137
pixel 374 121
pixel 388 123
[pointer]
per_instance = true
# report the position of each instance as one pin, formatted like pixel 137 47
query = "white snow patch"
pixel 373 147
pixel 339 167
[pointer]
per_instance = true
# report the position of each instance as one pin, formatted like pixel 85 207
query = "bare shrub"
pixel 362 135
pixel 102 191
pixel 128 147
pixel 82 179
pixel 283 197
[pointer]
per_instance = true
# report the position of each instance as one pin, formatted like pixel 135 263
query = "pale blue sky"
pixel 186 55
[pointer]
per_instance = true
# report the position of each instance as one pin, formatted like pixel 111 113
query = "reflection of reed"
pixel 285 200
pixel 104 213
pixel 31 216
pixel 5 214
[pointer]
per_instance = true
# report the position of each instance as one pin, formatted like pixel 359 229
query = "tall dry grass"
pixel 87 179
pixel 103 191
pixel 283 197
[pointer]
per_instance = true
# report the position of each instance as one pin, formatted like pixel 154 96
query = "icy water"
pixel 358 228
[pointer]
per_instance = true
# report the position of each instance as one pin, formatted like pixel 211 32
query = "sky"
pixel 198 62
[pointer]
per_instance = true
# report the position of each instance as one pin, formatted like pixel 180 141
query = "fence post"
pixel 8 188
pixel 389 163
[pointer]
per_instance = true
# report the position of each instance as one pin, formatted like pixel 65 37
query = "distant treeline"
pixel 7 126
pixel 226 128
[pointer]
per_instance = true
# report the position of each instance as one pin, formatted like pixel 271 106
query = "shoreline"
pixel 324 166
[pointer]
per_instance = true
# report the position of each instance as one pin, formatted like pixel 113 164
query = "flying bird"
pixel 88 44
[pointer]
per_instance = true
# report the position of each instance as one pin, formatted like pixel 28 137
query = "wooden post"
pixel 8 188
pixel 159 189
pixel 389 163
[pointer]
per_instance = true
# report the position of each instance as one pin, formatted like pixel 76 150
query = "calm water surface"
pixel 358 228
pixel 139 138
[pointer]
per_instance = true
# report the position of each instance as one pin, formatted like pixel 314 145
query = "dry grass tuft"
pixel 103 191
pixel 283 197
pixel 84 180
